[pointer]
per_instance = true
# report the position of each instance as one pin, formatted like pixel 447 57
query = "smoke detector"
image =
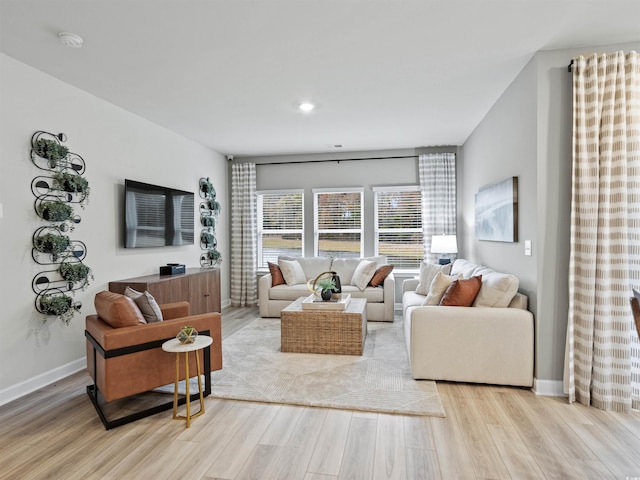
pixel 70 40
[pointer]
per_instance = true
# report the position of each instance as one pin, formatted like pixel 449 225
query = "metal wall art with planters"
pixel 58 190
pixel 209 213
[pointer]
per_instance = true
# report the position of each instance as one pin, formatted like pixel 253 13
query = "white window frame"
pixel 262 231
pixel 378 231
pixel 317 232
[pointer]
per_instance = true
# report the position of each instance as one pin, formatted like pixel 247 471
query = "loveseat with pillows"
pixel 370 278
pixel 468 323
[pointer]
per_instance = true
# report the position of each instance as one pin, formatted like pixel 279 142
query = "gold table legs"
pixel 188 416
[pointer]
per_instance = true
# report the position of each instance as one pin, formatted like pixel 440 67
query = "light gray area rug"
pixel 255 369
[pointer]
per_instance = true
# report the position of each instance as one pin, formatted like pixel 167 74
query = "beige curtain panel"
pixel 438 185
pixel 243 235
pixel 603 352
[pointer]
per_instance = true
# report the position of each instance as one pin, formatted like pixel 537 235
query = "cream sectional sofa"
pixel 490 342
pixel 380 300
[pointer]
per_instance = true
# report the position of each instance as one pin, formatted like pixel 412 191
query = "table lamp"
pixel 444 244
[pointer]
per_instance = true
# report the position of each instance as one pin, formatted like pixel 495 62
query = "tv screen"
pixel 157 216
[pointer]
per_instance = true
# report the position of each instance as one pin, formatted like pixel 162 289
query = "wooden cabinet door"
pixel 205 291
pixel 171 290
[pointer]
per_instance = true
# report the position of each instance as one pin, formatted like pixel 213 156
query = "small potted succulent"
pixel 51 243
pixel 51 150
pixel 187 334
pixel 55 211
pixel 326 286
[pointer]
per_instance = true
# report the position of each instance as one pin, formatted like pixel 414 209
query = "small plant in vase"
pixel 55 211
pixel 210 258
pixel 72 182
pixel 51 243
pixel 75 273
pixel 206 187
pixel 214 206
pixel 208 239
pixel 208 221
pixel 51 150
pixel 59 306
pixel 326 287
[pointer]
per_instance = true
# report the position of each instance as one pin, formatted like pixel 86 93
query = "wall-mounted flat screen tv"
pixel 157 216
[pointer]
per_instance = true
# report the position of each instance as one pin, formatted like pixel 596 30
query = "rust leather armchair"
pixel 124 354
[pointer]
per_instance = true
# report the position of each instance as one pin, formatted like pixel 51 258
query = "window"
pixel 398 227
pixel 280 225
pixel 338 222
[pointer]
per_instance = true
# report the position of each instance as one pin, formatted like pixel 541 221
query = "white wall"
pixel 115 145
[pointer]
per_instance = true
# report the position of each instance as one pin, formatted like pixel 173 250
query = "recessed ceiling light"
pixel 70 40
pixel 306 106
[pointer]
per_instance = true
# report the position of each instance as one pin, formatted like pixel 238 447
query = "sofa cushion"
pixel 345 267
pixel 276 274
pixel 118 310
pixel 464 268
pixel 363 274
pixel 146 303
pixel 292 272
pixel 428 272
pixel 371 294
pixel 498 289
pixel 462 292
pixel 314 266
pixel 289 292
pixel 439 285
pixel 380 274
pixel 411 299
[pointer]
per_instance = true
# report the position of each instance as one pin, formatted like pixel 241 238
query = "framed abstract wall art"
pixel 497 211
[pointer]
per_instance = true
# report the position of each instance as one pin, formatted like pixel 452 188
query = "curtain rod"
pixel 336 160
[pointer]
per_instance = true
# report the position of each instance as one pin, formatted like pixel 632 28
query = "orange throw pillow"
pixel 462 293
pixel 276 274
pixel 380 274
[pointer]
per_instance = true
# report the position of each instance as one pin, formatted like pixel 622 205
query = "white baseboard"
pixel 225 303
pixel 548 388
pixel 31 385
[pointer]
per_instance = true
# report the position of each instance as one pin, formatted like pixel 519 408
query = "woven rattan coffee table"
pixel 324 331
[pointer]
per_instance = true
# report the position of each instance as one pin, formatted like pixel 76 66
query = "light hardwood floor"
pixel 489 433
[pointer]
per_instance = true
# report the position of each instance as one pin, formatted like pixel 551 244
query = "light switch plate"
pixel 527 248
pixel 1 211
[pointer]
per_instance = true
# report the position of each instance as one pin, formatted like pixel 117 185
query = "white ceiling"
pixel 230 73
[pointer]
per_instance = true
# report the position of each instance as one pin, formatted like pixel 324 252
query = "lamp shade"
pixel 444 244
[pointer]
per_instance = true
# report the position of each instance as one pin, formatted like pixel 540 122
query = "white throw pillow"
pixel 345 268
pixel 363 274
pixel 292 272
pixel 380 260
pixel 428 272
pixel 498 289
pixel 146 303
pixel 465 269
pixel 438 286
pixel 314 266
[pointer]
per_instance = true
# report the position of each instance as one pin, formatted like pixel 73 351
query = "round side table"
pixel 174 346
